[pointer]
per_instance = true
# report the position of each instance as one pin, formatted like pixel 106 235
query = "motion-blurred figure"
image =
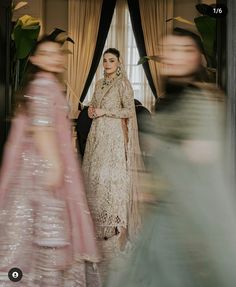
pixel 189 234
pixel 45 223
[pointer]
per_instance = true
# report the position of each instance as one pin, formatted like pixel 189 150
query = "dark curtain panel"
pixel 5 95
pixel 108 7
pixel 139 38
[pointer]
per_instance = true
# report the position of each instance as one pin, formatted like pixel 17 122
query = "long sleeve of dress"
pixel 93 101
pixel 127 101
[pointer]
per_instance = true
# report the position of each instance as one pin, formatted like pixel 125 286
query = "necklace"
pixel 107 82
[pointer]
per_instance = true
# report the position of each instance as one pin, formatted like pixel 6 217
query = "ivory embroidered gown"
pixel 47 233
pixel 110 163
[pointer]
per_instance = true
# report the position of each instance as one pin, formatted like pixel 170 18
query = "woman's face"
pixel 180 56
pixel 49 57
pixel 110 63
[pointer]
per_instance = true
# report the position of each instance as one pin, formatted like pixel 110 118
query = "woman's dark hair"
pixel 113 51
pixel 31 71
pixel 203 75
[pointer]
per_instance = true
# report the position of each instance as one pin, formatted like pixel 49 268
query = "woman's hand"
pixel 95 113
pixel 99 113
pixel 91 112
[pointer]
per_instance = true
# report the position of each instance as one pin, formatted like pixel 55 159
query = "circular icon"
pixel 15 274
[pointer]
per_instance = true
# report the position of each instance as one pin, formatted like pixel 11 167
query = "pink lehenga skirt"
pixel 46 233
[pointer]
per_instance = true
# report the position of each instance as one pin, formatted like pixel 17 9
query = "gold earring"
pixel 118 71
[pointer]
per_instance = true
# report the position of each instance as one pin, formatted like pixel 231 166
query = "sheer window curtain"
pixel 83 24
pixel 121 36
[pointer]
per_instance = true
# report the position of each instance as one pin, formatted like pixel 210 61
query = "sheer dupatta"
pixel 135 167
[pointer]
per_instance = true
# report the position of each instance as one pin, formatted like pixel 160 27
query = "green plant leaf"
pixel 25 40
pixel 30 27
pixel 25 34
pixel 207 28
pixel 144 59
pixel 203 8
pixel 155 58
pixel 27 20
pixel 181 20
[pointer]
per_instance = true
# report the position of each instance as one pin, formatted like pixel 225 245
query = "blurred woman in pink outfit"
pixel 46 227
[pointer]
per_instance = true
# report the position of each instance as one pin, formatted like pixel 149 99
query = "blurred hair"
pixel 202 75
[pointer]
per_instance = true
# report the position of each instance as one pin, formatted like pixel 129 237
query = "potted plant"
pixel 25 33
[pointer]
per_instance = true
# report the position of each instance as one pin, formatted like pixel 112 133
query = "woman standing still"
pixel 111 159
